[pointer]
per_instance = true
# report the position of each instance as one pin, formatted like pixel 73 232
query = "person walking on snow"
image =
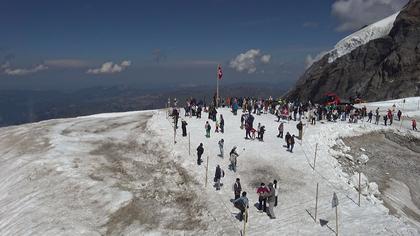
pixel 221 144
pixel 237 188
pixel 399 113
pixel 271 198
pixel 281 129
pixel 218 176
pixel 200 151
pixel 233 158
pixel 370 114
pixel 262 192
pixel 208 128
pixel 414 124
pixel 184 128
pixel 242 204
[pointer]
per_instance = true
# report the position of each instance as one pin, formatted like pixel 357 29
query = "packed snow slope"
pixel 122 174
pixel 379 62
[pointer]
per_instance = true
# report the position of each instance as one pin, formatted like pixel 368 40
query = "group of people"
pixel 283 110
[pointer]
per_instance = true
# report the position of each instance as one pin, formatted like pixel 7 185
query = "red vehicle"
pixel 331 99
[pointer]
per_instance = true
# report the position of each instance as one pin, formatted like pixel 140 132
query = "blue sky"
pixel 72 44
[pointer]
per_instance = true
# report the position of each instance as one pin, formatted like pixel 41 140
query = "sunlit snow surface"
pixel 121 174
pixel 374 31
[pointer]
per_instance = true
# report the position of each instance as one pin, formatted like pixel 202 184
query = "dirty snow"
pixel 121 174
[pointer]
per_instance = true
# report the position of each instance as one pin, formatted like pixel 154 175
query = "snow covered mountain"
pixel 378 62
pixel 374 31
pixel 122 174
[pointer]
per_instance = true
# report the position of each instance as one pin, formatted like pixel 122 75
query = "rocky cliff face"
pixel 384 68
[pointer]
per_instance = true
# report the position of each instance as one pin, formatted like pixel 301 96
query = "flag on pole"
pixel 219 72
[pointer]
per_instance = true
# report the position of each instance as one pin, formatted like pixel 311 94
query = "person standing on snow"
pixel 299 126
pixel 281 129
pixel 414 124
pixel 370 114
pixel 222 124
pixel 184 128
pixel 287 138
pixel 221 144
pixel 262 192
pixel 271 198
pixel 276 192
pixel 399 113
pixel 237 188
pixel 385 119
pixel 200 151
pixel 377 118
pixel 292 143
pixel 218 176
pixel 233 158
pixel 208 128
pixel 261 132
pixel 242 204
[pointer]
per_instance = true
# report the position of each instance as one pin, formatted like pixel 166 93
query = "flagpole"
pixel 217 85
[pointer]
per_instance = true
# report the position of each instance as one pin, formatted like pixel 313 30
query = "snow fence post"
pixel 316 202
pixel 360 173
pixel 316 149
pixel 245 221
pixel 335 204
pixel 207 170
pixel 189 144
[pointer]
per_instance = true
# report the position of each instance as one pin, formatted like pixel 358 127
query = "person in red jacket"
pixel 414 124
pixel 263 193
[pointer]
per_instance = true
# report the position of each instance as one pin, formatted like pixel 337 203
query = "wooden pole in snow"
pixel 245 216
pixel 189 143
pixel 174 132
pixel 207 170
pixel 316 202
pixel 316 150
pixel 360 174
pixel 336 220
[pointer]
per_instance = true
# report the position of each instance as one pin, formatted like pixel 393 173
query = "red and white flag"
pixel 219 72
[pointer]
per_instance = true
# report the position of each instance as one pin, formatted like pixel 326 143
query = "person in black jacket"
pixel 288 137
pixel 217 176
pixel 292 143
pixel 200 151
pixel 184 128
pixel 222 124
pixel 237 188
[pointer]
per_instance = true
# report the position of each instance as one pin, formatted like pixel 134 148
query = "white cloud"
pixel 249 61
pixel 354 14
pixel 23 71
pixel 266 59
pixel 110 68
pixel 309 60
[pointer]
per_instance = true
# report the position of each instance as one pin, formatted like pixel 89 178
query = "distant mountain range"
pixel 379 62
pixel 23 106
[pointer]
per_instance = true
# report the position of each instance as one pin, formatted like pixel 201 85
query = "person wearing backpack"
pixel 292 143
pixel 299 126
pixel 281 129
pixel 219 173
pixel 271 198
pixel 242 204
pixel 184 128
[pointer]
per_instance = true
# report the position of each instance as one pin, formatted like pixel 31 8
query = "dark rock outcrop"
pixel 384 68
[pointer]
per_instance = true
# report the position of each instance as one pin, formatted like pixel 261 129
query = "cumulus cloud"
pixel 249 61
pixel 110 68
pixel 354 14
pixel 22 71
pixel 309 60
